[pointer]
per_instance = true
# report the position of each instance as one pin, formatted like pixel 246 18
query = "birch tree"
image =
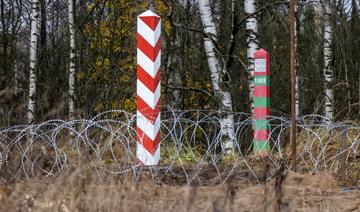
pixel 33 58
pixel 72 65
pixel 252 44
pixel 218 71
pixel 328 72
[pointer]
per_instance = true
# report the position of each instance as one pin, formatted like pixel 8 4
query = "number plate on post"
pixel 260 65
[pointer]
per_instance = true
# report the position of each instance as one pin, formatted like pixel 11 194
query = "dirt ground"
pixel 288 191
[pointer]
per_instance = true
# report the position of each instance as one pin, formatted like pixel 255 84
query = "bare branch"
pixel 189 89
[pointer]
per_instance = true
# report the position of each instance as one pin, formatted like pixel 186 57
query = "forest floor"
pixel 288 191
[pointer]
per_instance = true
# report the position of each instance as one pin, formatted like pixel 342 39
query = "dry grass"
pixel 81 190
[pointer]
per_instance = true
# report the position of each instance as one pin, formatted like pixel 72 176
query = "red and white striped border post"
pixel 148 88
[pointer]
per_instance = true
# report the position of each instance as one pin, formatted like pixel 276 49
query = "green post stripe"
pixel 261 102
pixel 262 80
pixel 261 146
pixel 261 124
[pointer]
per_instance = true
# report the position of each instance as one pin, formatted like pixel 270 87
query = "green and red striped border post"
pixel 261 102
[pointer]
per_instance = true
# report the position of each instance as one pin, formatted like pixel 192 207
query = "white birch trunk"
pixel 252 44
pixel 217 71
pixel 328 72
pixel 33 59
pixel 72 65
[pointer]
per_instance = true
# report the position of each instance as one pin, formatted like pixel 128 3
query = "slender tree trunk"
pixel 81 14
pixel 217 6
pixel 175 75
pixel 4 59
pixel 297 64
pixel 316 50
pixel 328 72
pixel 16 77
pixel 33 59
pixel 355 31
pixel 233 20
pixel 348 87
pixel 43 71
pixel 252 44
pixel 234 31
pixel 72 65
pixel 358 70
pixel 218 71
pixel 151 5
pixel 42 30
pixel 175 64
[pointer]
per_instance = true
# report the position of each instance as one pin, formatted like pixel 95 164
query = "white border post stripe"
pixel 145 93
pixel 148 116
pixel 147 64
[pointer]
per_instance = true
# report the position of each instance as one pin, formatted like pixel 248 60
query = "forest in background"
pixel 85 51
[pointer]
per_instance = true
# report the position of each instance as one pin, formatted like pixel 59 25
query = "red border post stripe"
pixel 148 88
pixel 261 102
